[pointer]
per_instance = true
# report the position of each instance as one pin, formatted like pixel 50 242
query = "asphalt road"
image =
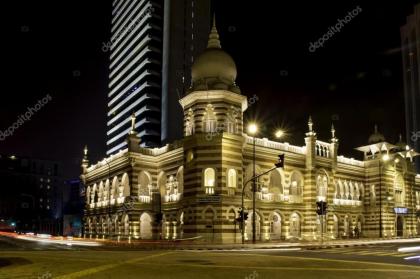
pixel 57 261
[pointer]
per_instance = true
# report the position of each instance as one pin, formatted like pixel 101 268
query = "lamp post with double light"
pixel 253 130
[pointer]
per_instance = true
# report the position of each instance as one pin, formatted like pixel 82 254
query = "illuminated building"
pixel 192 188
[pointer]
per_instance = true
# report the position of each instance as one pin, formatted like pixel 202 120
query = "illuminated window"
pixel 210 120
pixel 321 187
pixel 399 190
pixel 209 180
pixel 232 178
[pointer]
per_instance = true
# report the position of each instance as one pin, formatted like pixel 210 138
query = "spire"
pixel 133 124
pixel 376 136
pixel 85 161
pixel 214 41
pixel 310 124
pixel 85 152
pixel 332 131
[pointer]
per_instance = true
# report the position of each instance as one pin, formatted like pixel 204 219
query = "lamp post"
pixel 253 129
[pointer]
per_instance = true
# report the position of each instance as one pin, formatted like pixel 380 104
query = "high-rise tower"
pixel 153 43
pixel 410 35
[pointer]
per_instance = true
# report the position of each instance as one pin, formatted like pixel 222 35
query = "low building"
pixel 193 187
pixel 31 194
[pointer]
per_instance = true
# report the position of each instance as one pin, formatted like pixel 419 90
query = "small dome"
pixel 376 136
pixel 214 63
pixel 214 68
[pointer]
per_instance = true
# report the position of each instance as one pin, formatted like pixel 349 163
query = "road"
pixel 22 259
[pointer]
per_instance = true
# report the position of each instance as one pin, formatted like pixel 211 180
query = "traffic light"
pixel 242 213
pixel 280 162
pixel 321 207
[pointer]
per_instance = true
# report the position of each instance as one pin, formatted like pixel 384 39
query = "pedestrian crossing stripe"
pixel 345 251
pixel 403 255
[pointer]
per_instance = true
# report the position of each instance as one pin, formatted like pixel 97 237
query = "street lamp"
pixel 279 134
pixel 253 129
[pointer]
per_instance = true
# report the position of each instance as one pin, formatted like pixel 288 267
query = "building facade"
pixel 192 188
pixel 410 34
pixel 153 43
pixel 31 194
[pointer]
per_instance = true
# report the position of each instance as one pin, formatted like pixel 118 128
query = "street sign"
pixel 210 199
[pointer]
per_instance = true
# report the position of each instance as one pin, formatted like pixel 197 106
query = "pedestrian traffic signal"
pixel 280 162
pixel 321 207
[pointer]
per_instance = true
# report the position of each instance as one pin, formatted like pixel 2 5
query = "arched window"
pixel 231 121
pixel 210 120
pixel 123 189
pixel 275 185
pixel 322 186
pixel 296 184
pixel 351 189
pixel 144 184
pixel 93 194
pixel 399 190
pixel 88 199
pixel 347 190
pixel 372 195
pixel 209 180
pixel 189 123
pixel 356 195
pixel 100 192
pixel 180 179
pixel 337 193
pixel 295 225
pixel 232 178
pixel 106 192
pixel 114 189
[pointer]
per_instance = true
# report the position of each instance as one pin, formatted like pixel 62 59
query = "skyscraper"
pixel 410 36
pixel 152 44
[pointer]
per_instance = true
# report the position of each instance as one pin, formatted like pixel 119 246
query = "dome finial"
pixel 214 41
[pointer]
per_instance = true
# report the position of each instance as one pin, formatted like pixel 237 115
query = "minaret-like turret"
pixel 333 148
pixel 133 141
pixel 310 142
pixel 85 161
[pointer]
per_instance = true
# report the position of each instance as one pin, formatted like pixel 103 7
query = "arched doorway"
pixel 335 226
pixel 146 226
pixel 346 227
pixel 295 225
pixel 400 226
pixel 275 226
pixel 248 227
pixel 126 222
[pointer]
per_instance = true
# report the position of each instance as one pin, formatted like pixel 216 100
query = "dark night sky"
pixel 54 47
